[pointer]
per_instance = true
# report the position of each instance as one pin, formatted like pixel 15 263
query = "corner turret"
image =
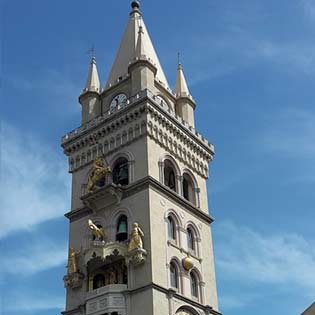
pixel 185 104
pixel 90 97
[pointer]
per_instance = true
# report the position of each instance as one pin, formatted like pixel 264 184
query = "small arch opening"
pixel 171 228
pixel 120 172
pixel 189 188
pixel 122 229
pixel 169 175
pixel 98 281
pixel 173 275
pixel 191 240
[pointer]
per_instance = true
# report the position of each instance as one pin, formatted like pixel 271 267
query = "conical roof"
pixel 181 89
pixel 93 81
pixel 128 47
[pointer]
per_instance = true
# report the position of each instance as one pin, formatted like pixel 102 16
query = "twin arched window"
pixel 171 178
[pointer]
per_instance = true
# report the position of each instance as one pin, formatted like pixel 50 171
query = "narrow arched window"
pixel 171 228
pixel 169 175
pixel 173 276
pixel 122 229
pixel 190 240
pixel 120 172
pixel 193 285
pixel 98 281
pixel 188 189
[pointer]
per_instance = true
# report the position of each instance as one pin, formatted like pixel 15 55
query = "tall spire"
pixel 93 81
pixel 181 89
pixel 128 48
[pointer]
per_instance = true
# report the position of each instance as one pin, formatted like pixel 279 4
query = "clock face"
pixel 118 101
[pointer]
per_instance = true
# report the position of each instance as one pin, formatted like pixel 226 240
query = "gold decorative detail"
pixel 98 173
pixel 135 238
pixel 188 263
pixel 99 233
pixel 72 262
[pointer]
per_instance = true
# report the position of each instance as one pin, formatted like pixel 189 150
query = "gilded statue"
pixel 135 238
pixel 72 262
pixel 99 233
pixel 98 174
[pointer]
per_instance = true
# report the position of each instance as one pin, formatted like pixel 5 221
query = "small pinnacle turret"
pixel 181 89
pixel 140 52
pixel 93 81
pixel 185 105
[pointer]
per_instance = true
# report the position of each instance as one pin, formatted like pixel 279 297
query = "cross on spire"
pixel 91 51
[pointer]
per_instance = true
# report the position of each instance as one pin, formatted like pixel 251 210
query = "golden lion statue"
pixel 99 233
pixel 98 174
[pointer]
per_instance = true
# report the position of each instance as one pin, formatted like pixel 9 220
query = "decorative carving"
pixel 97 175
pixel 99 233
pixel 74 280
pixel 135 238
pixel 137 256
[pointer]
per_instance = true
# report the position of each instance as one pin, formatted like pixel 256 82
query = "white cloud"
pixel 40 256
pixel 34 182
pixel 278 259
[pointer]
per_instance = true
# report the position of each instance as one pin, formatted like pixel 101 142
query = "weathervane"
pixel 91 51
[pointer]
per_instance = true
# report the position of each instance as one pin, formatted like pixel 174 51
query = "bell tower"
pixel 140 233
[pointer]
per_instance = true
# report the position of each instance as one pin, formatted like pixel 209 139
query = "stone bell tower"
pixel 140 235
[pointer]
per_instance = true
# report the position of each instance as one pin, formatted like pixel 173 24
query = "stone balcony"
pixel 107 300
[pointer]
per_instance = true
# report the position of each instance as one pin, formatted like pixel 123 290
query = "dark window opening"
pixel 169 176
pixel 121 172
pixel 190 240
pixel 122 229
pixel 188 189
pixel 173 275
pixel 171 228
pixel 193 285
pixel 98 281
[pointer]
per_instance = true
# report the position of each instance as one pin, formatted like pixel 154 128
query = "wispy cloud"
pixel 51 88
pixel 34 182
pixel 283 260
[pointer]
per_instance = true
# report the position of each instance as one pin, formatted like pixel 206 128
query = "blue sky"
pixel 250 65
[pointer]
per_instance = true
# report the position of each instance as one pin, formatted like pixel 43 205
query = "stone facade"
pixel 159 167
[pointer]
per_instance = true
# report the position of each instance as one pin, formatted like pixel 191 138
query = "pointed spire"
pixel 129 47
pixel 93 81
pixel 181 89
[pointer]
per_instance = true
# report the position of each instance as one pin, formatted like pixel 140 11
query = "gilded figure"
pixel 98 174
pixel 98 232
pixel 72 262
pixel 135 238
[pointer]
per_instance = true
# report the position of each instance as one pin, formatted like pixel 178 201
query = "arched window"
pixel 169 175
pixel 171 228
pixel 191 240
pixel 188 189
pixel 194 285
pixel 98 281
pixel 122 229
pixel 120 172
pixel 173 275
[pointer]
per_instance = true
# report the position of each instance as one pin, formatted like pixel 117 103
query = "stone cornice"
pixel 140 185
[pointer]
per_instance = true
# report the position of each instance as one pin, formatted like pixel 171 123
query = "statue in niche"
pixel 72 262
pixel 98 175
pixel 112 276
pixel 135 238
pixel 98 232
